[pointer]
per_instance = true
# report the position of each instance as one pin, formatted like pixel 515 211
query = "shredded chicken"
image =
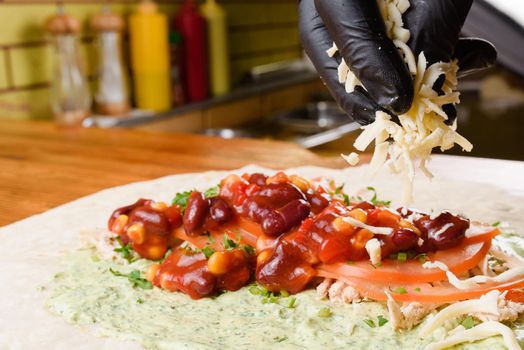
pixel 508 311
pixel 338 291
pixel 408 315
pixel 104 243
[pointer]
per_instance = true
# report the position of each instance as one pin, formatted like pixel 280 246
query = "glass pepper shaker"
pixel 69 95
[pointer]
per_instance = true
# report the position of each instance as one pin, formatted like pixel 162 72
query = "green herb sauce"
pixel 88 294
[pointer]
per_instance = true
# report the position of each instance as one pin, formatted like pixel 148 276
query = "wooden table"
pixel 42 166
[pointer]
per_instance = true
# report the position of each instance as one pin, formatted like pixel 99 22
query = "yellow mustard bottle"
pixel 149 42
pixel 217 47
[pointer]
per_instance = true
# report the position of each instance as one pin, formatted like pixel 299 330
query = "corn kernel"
pixel 300 182
pixel 278 177
pixel 151 272
pixel 218 263
pixel 119 224
pixel 156 252
pixel 137 233
pixel 359 239
pixel 359 215
pixel 158 206
pixel 342 226
pixel 262 257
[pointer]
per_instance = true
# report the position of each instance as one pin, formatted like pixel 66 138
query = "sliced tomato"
pixel 515 295
pixel 240 230
pixel 458 259
pixel 422 292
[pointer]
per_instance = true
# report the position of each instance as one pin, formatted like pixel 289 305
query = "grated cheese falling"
pixel 423 127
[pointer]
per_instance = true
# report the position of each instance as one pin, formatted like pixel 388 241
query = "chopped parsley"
pixel 208 251
pixel 381 320
pixel 422 258
pixel 417 289
pixel 248 249
pixel 325 312
pixel 402 256
pixel 258 290
pixel 370 323
pixel 347 202
pixel 496 224
pixel 134 278
pixel 399 290
pixel 375 200
pixel 139 301
pixel 468 322
pixel 339 189
pixel 292 303
pixel 125 250
pixel 350 262
pixel 212 192
pixel 229 244
pixel 280 339
pixel 181 199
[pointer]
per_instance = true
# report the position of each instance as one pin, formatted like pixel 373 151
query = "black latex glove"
pixel 358 30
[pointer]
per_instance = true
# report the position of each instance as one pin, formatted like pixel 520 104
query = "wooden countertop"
pixel 43 166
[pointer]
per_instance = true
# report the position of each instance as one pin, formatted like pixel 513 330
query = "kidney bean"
pixel 220 211
pixel 258 179
pixel 284 268
pixel 404 239
pixel 126 210
pixel 253 210
pixel 318 201
pixel 154 222
pixel 282 220
pixel 196 211
pixel 186 272
pixel 445 231
pixel 276 195
pixel 174 216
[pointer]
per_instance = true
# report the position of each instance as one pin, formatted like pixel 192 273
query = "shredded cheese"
pixel 374 229
pixel 474 281
pixel 488 303
pixel 423 127
pixel 479 332
pixel 374 251
pixel 352 158
pixel 435 265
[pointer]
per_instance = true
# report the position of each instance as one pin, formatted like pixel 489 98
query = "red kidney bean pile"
pixel 296 225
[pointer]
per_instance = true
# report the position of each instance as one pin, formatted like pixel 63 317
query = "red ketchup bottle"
pixel 192 26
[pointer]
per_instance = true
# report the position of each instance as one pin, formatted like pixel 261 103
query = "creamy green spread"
pixel 88 294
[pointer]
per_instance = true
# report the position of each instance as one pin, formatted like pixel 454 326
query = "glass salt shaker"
pixel 112 97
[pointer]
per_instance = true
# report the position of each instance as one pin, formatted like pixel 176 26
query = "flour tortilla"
pixel 483 189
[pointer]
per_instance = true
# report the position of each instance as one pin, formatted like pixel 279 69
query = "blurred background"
pixel 225 68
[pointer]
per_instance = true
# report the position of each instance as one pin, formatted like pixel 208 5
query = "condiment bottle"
pixel 177 89
pixel 69 94
pixel 217 47
pixel 192 26
pixel 111 97
pixel 148 31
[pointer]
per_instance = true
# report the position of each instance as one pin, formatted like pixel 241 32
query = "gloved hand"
pixel 358 30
